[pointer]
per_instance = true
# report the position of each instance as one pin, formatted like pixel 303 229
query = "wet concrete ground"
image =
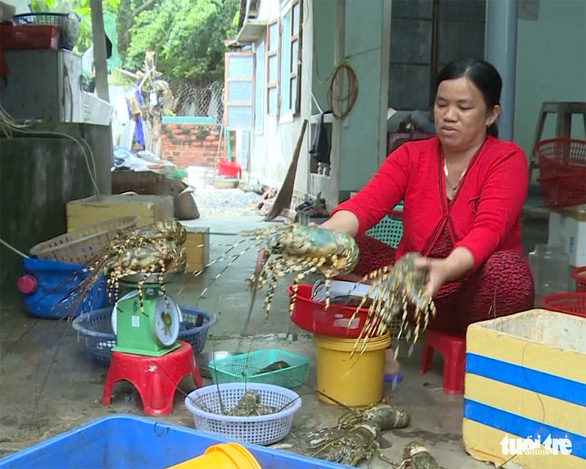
pixel 49 384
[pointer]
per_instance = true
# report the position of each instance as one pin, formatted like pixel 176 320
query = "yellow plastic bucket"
pixel 356 381
pixel 222 456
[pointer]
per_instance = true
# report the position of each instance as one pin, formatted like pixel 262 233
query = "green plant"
pixel 187 36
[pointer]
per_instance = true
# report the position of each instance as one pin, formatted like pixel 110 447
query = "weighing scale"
pixel 152 330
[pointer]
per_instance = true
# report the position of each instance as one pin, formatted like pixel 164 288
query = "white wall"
pixel 20 5
pixel 551 66
pixel 361 130
pixel 272 149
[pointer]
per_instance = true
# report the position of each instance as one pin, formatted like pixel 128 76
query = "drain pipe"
pixel 501 51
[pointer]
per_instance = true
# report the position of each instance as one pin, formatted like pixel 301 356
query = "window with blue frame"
pixel 290 63
pixel 259 87
pixel 272 66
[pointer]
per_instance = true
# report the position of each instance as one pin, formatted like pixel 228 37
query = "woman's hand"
pixel 441 271
pixel 437 273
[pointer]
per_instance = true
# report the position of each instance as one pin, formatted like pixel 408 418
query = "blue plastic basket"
pixel 55 283
pixel 96 332
pixel 128 442
pixel 242 368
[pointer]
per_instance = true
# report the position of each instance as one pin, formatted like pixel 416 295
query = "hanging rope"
pixel 341 99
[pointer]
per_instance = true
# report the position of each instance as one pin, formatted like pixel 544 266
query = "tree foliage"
pixel 187 36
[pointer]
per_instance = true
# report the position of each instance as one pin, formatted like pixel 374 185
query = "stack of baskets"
pixel 562 172
pixel 55 269
pixel 67 24
pixel 569 302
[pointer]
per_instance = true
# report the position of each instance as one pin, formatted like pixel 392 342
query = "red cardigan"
pixel 484 215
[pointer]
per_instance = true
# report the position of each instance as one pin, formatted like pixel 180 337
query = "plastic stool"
pixel 155 378
pixel 453 349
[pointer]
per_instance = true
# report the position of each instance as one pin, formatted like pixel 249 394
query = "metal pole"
pixel 100 60
pixel 501 51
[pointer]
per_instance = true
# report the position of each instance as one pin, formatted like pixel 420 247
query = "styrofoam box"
pixel 526 380
pixel 568 229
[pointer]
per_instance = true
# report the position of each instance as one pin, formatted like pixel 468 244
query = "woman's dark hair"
pixel 486 78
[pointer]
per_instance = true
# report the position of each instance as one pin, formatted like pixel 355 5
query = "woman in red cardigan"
pixel 462 194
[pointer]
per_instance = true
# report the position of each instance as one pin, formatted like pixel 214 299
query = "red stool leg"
pixel 454 366
pixel 427 355
pixel 196 375
pixel 111 378
pixel 157 398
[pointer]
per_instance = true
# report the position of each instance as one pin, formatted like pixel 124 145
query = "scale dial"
pixel 166 321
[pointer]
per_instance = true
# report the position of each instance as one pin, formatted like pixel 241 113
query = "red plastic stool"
pixel 453 349
pixel 155 378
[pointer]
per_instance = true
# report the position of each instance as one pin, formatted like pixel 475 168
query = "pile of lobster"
pixel 357 438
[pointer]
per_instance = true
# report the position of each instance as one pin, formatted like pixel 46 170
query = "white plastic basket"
pixel 204 405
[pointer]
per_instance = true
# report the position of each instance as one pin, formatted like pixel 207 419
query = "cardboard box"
pixel 526 379
pixel 197 248
pixel 567 228
pixel 149 209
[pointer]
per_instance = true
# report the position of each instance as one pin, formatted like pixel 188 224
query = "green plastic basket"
pixel 389 230
pixel 233 369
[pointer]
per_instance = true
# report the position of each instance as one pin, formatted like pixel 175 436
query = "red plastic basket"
pixel 570 303
pixel 562 171
pixel 312 316
pixel 229 168
pixel 579 276
pixel 28 37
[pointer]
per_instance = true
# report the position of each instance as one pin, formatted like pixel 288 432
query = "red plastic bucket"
pixel 312 316
pixel 229 168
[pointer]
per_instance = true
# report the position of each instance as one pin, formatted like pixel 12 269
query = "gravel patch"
pixel 225 202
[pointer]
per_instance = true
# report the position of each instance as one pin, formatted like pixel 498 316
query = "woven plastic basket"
pixel 579 276
pixel 570 303
pixel 205 404
pixel 81 245
pixel 390 229
pixel 68 25
pixel 96 333
pixel 243 368
pixel 562 171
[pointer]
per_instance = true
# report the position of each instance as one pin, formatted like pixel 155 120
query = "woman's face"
pixel 461 115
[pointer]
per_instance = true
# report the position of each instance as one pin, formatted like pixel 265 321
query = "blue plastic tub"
pixel 124 441
pixel 55 281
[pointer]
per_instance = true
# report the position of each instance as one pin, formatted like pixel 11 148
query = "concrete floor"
pixel 48 384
